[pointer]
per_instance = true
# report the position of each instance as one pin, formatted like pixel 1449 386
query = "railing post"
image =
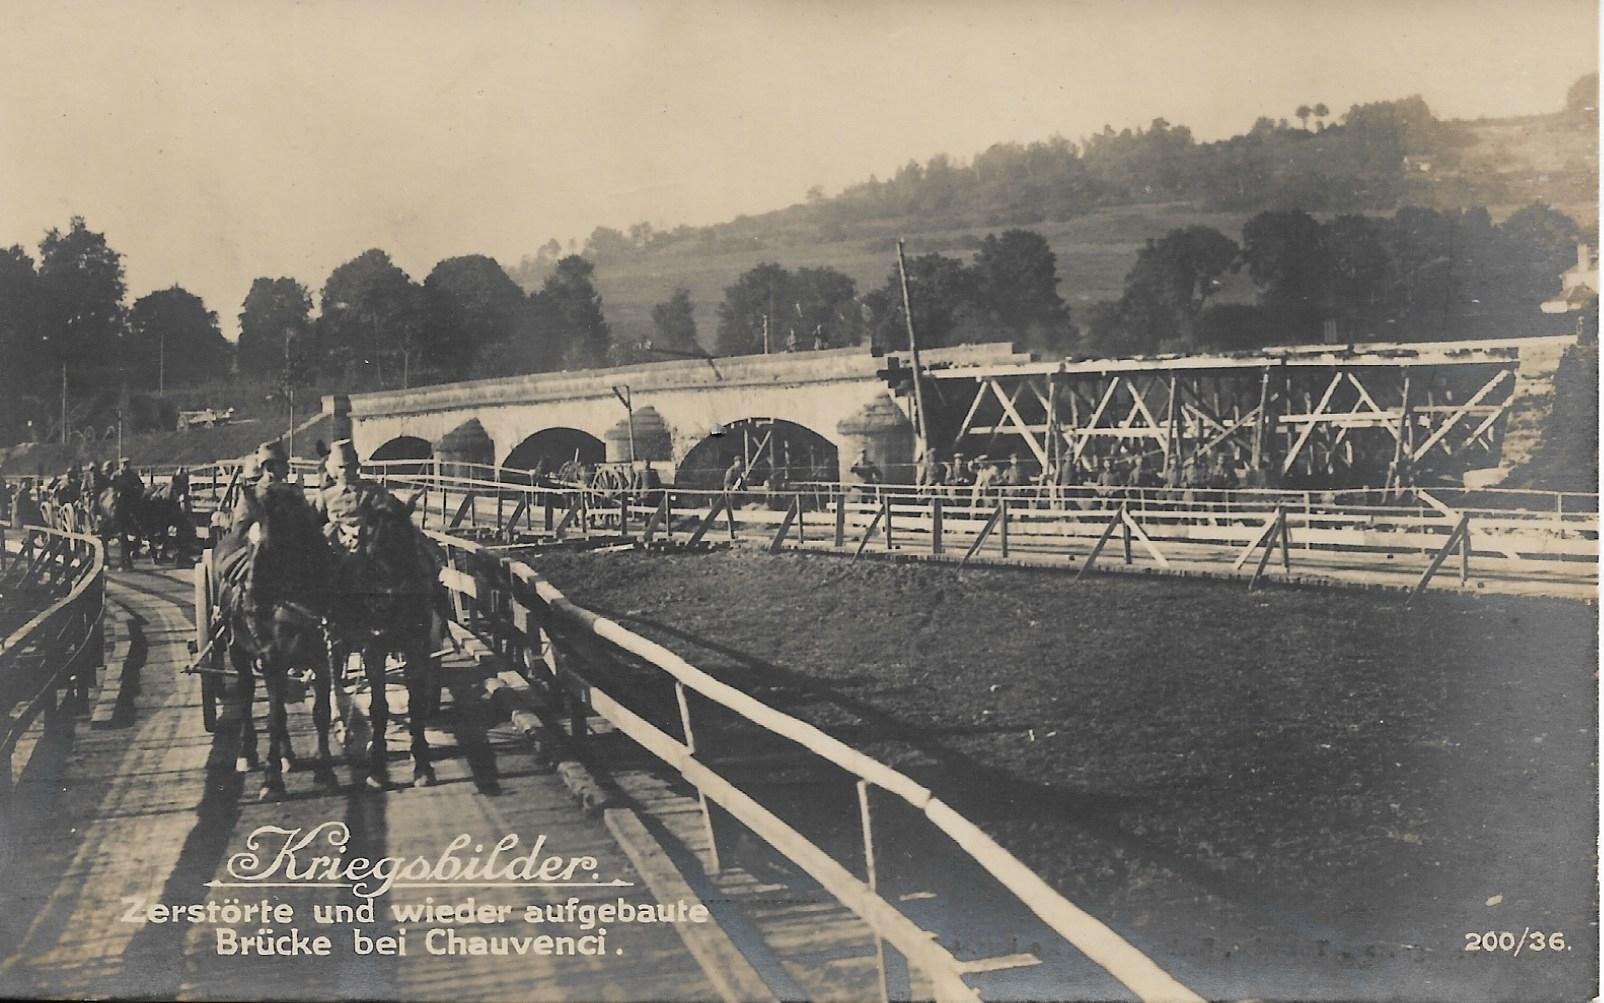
pixel 935 524
pixel 1002 510
pixel 840 519
pixel 890 967
pixel 714 860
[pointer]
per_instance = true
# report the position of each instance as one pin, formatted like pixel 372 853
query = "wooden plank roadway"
pixel 152 808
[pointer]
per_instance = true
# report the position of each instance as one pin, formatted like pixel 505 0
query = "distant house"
pixel 1578 284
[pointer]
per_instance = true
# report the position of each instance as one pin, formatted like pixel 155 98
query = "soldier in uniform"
pixel 339 505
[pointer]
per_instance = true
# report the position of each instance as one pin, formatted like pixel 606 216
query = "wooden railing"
pixel 58 649
pixel 1156 528
pixel 557 642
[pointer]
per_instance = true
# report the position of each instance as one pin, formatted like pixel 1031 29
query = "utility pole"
pixel 922 424
pixel 765 334
pixel 626 398
pixel 161 363
pixel 289 391
pixel 63 402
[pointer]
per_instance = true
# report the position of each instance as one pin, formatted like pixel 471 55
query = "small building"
pixel 1578 284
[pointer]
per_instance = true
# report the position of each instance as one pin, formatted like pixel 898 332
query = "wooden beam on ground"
pixel 719 502
pixel 658 517
pixel 1143 538
pixel 868 534
pixel 1102 541
pixel 985 531
pixel 1458 539
pixel 462 510
pixel 785 525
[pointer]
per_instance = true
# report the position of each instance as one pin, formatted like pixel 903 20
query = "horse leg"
pixel 378 712
pixel 277 735
pixel 322 689
pixel 421 679
pixel 247 760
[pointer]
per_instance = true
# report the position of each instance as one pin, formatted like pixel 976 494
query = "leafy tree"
pixel 1016 276
pixel 469 302
pixel 947 307
pixel 1537 243
pixel 1582 97
pixel 568 312
pixel 1359 270
pixel 1172 279
pixel 275 309
pixel 174 340
pixel 371 311
pixel 1302 115
pixel 19 339
pixel 823 306
pixel 674 323
pixel 1320 112
pixel 1285 257
pixel 81 288
pixel 759 292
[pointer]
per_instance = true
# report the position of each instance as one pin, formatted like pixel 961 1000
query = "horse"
pixel 389 605
pixel 274 569
pixel 153 516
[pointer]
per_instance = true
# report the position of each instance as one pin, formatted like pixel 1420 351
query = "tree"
pixel 1302 115
pixel 1171 281
pixel 823 307
pixel 82 318
pixel 946 305
pixel 19 340
pixel 1284 255
pixel 1582 97
pixel 469 303
pixel 674 323
pixel 568 311
pixel 1359 270
pixel 1536 244
pixel 174 340
pixel 1320 112
pixel 370 312
pixel 1016 277
pixel 758 293
pixel 273 310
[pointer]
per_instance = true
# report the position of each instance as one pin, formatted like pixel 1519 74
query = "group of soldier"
pixel 69 501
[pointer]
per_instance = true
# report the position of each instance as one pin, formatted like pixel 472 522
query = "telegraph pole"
pixel 63 402
pixel 922 425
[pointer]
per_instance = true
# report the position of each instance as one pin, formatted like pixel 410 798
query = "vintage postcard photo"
pixel 958 501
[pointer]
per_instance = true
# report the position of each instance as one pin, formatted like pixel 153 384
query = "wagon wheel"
pixel 204 626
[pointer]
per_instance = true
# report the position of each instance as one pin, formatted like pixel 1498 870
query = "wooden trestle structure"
pixel 1318 413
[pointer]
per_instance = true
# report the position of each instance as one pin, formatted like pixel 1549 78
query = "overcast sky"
pixel 214 142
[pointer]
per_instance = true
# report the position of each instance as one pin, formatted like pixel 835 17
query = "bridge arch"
pixel 550 448
pixel 765 446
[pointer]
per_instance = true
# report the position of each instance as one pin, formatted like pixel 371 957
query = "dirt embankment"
pixel 1184 755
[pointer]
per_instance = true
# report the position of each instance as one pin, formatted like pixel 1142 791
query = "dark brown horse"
pixel 154 518
pixel 275 569
pixel 388 605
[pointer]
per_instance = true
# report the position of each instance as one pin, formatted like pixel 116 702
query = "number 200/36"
pixel 1507 941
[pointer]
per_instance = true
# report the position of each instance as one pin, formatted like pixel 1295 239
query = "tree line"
pixel 1418 274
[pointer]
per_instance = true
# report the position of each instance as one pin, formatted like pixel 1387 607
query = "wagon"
pixel 207 649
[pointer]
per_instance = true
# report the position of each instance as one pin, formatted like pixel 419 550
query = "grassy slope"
pixel 1537 157
pixel 1094 253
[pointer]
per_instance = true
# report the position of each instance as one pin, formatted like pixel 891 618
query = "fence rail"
pixel 59 648
pixel 530 621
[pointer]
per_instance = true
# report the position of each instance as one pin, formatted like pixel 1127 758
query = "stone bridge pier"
pixel 815 412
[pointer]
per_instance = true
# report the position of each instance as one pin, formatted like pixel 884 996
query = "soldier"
pixel 340 504
pixel 130 487
pixel 735 475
